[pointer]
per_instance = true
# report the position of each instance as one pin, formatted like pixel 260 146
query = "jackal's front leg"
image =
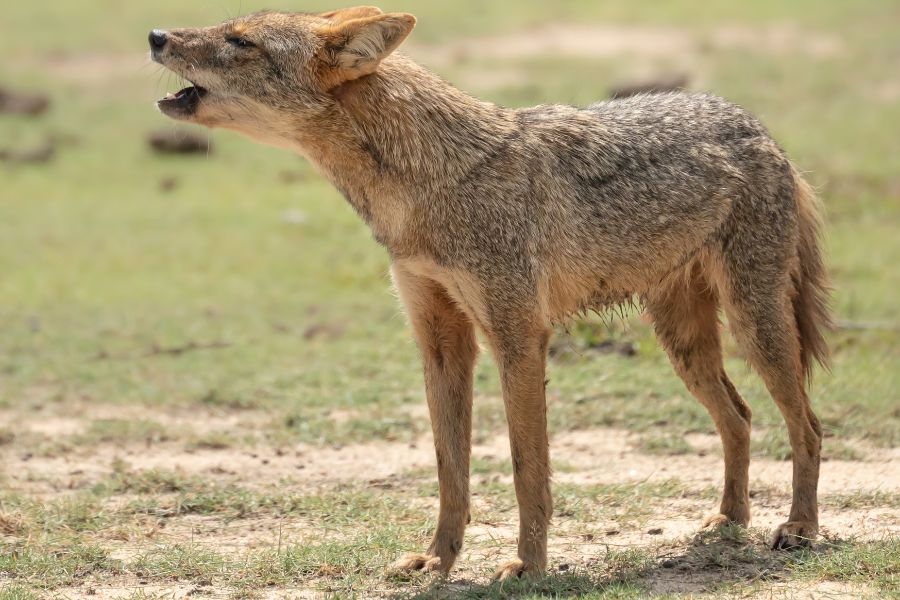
pixel 521 355
pixel 446 339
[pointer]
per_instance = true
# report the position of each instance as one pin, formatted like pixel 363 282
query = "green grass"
pixel 358 565
pixel 876 564
pixel 48 567
pixel 120 431
pixel 665 444
pixel 215 261
pixel 214 299
pixel 358 532
pixel 16 592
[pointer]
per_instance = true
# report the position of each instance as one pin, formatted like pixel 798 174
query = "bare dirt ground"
pixel 590 456
pixel 598 457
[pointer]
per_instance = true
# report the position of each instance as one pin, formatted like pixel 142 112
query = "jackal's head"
pixel 270 73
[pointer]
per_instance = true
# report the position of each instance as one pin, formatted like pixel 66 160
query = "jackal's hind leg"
pixel 767 331
pixel 686 321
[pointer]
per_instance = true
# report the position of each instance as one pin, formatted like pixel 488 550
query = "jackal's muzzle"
pixel 183 104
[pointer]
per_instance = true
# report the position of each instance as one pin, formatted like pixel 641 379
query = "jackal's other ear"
pixel 354 48
pixel 357 12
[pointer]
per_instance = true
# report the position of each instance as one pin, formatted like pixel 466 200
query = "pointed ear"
pixel 354 48
pixel 357 12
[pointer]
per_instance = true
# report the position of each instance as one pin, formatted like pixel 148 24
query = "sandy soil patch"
pixel 612 41
pixel 608 455
pixel 593 456
pixel 134 589
pixel 599 456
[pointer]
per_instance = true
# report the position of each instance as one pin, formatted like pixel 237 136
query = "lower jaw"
pixel 174 112
pixel 183 105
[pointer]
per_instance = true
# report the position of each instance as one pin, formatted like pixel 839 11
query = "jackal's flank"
pixel 505 221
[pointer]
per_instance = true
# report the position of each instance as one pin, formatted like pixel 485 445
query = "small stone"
pixel 655 531
pixel 294 216
pixel 168 184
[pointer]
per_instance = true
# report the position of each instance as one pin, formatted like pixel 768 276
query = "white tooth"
pixel 169 96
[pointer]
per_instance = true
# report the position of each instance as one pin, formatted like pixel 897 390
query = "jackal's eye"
pixel 240 42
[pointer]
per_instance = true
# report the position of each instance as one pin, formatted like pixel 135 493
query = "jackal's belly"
pixel 591 272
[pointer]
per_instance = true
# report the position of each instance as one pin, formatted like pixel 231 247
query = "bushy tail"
pixel 812 288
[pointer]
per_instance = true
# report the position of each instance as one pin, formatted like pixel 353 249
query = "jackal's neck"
pixel 406 133
pixel 413 123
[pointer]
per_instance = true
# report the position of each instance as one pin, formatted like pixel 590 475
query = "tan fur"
pixel 810 281
pixel 507 221
pixel 357 12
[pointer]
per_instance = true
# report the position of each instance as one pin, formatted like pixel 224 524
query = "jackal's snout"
pixel 185 103
pixel 158 39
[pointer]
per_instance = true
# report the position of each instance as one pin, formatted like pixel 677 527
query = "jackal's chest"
pixel 462 286
pixel 387 215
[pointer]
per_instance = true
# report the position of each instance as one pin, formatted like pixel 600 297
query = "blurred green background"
pixel 241 280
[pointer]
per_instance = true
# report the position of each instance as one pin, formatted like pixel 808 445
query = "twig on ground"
pixel 157 350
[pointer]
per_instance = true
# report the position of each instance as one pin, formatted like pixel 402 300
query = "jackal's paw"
pixel 417 562
pixel 516 569
pixel 718 521
pixel 794 534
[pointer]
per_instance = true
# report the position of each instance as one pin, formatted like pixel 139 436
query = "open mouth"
pixel 184 103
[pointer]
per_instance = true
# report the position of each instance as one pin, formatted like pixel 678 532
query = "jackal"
pixel 506 221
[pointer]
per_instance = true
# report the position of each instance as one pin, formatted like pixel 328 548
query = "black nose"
pixel 158 39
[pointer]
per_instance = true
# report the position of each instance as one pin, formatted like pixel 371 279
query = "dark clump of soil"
pixel 671 83
pixel 168 184
pixel 179 141
pixel 39 154
pixel 19 103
